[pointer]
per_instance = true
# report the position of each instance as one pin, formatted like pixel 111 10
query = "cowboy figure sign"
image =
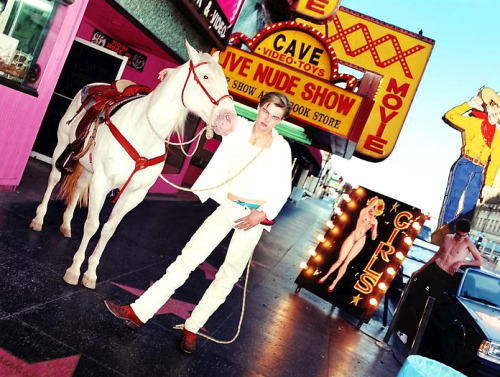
pixel 478 163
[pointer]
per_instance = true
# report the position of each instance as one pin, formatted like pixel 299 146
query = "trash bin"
pixel 419 366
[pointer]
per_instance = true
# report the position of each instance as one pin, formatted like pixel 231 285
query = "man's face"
pixel 268 116
pixel 459 235
pixel 493 112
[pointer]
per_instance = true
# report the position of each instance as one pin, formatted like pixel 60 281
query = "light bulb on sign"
pixel 416 226
pixel 408 240
pixel 373 301
pixel 313 252
pixel 400 255
pixel 346 197
pixel 329 224
pixel 321 238
pixel 391 271
pixel 382 286
pixel 304 266
pixel 338 211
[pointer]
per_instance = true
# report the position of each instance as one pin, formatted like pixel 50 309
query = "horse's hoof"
pixel 36 226
pixel 66 232
pixel 88 282
pixel 70 278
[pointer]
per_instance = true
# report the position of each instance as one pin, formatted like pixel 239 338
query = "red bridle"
pixel 195 76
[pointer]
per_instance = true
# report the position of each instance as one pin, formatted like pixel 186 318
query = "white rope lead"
pixel 180 327
pixel 214 187
pixel 220 184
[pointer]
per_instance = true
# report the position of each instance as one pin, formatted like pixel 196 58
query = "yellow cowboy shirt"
pixel 473 143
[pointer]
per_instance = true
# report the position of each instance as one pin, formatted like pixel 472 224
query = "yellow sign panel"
pixel 396 54
pixel 317 9
pixel 298 49
pixel 316 102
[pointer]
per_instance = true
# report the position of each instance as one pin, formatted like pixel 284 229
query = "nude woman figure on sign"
pixel 356 240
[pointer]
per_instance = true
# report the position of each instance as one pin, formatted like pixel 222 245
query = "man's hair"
pixel 278 99
pixel 462 225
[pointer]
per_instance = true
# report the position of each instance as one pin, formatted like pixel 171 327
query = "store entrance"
pixel 86 63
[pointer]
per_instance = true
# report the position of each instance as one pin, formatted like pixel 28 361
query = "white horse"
pixel 198 86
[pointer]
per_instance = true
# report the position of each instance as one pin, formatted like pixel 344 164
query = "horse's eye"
pixel 205 77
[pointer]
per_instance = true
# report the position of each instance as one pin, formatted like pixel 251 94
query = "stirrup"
pixel 66 162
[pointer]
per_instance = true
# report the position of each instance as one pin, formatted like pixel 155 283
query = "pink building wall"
pixel 22 114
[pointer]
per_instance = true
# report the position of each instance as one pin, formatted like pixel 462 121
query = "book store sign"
pixel 135 60
pixel 295 59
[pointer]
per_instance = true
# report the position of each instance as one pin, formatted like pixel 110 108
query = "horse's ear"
pixel 215 55
pixel 194 55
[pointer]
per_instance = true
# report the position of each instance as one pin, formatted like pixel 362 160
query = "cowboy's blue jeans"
pixel 464 176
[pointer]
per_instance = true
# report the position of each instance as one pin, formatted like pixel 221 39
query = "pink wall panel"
pixel 21 114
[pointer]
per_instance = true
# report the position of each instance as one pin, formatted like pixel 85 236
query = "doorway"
pixel 86 63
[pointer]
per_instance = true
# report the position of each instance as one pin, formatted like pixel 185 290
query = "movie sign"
pixel 357 258
pixel 398 55
pixel 292 58
pixel 135 60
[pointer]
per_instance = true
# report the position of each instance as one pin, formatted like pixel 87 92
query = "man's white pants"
pixel 203 242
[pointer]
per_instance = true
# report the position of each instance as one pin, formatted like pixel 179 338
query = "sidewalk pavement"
pixel 48 326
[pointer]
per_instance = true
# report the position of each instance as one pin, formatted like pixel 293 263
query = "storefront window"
pixel 23 29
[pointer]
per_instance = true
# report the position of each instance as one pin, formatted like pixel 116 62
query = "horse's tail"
pixel 68 186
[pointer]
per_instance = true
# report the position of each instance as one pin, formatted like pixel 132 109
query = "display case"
pixel 25 43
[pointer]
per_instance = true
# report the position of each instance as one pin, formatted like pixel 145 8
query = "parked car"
pixel 464 328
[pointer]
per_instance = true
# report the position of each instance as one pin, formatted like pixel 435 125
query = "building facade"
pixel 32 63
pixel 486 226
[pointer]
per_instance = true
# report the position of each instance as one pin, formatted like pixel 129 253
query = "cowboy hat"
pixel 488 95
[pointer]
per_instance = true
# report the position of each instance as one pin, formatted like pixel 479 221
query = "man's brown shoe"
pixel 188 341
pixel 124 312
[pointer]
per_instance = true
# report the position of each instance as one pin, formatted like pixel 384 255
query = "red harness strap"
pixel 140 162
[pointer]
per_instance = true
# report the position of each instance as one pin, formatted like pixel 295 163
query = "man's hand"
pixel 476 103
pixel 454 267
pixel 248 222
pixel 163 73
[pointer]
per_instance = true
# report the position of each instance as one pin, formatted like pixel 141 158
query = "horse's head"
pixel 205 93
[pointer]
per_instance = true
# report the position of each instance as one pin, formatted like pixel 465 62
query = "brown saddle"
pixel 97 100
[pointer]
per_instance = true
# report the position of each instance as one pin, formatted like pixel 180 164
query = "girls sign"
pixel 366 240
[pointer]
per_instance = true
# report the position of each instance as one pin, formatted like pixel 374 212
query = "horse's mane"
pixel 182 115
